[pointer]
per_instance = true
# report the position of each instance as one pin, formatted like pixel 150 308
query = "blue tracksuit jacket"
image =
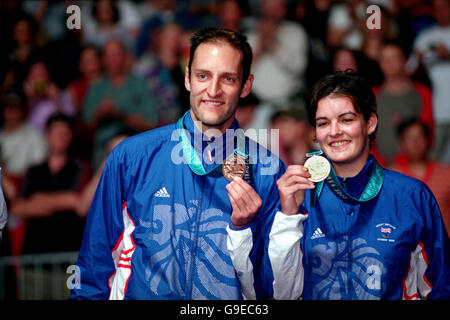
pixel 156 230
pixel 393 246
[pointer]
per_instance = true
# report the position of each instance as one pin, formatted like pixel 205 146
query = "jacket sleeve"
pixel 103 230
pixel 285 255
pixel 432 255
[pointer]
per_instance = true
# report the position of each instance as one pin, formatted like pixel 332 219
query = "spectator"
pixel 415 144
pixel 280 50
pixel 107 21
pixel 155 13
pixel 398 98
pixel 230 14
pixel 90 67
pixel 160 66
pixel 117 99
pixel 44 97
pixel 432 50
pixel 48 198
pixel 343 58
pixel 345 24
pixel 23 54
pixel 294 135
pixel 314 15
pixel 88 192
pixel 245 110
pixel 3 212
pixel 21 145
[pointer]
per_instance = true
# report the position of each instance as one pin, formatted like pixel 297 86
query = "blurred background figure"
pixel 161 67
pixel 398 98
pixel 280 49
pixel 153 13
pixel 49 194
pixel 48 203
pixel 343 59
pixel 231 14
pixel 431 49
pixel 23 52
pixel 346 24
pixel 415 144
pixel 21 146
pixel 104 20
pixel 44 97
pixel 118 99
pixel 245 111
pixel 87 194
pixel 295 135
pixel 314 15
pixel 90 68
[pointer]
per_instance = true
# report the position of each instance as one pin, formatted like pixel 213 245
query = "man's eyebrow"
pixel 229 73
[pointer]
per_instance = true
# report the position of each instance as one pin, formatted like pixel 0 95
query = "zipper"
pixel 190 276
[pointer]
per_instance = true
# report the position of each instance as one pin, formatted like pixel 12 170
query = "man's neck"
pixel 212 131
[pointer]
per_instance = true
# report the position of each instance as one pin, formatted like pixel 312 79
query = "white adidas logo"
pixel 162 193
pixel 317 234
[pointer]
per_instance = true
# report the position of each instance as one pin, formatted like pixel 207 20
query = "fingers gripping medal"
pixel 233 166
pixel 318 167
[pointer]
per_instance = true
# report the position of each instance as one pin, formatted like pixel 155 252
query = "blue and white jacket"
pixel 394 246
pixel 156 230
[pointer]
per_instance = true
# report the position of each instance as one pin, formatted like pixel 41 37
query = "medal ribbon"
pixel 371 190
pixel 192 158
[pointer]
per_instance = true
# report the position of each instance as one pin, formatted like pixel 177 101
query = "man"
pixel 157 224
pixel 116 100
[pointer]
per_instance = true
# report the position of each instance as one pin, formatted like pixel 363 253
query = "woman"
pixel 362 233
pixel 415 140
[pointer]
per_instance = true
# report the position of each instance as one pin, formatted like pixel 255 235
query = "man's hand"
pixel 292 186
pixel 244 201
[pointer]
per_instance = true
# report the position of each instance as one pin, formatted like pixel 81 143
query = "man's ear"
pixel 247 88
pixel 187 80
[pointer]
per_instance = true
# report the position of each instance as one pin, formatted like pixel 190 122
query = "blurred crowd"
pixel 68 96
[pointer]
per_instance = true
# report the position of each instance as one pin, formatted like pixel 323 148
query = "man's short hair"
pixel 346 84
pixel 235 39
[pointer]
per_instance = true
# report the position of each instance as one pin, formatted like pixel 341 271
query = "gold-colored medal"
pixel 318 167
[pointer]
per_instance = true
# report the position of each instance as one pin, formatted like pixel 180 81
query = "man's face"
pixel 114 58
pixel 215 84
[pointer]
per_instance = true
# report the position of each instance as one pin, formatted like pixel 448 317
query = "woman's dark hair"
pixel 346 84
pixel 235 39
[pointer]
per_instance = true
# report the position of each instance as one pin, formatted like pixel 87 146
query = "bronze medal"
pixel 233 166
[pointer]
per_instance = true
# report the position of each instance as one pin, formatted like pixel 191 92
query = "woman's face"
pixel 342 133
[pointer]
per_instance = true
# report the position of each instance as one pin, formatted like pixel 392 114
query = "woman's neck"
pixel 346 170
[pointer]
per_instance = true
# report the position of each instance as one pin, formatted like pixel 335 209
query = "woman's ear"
pixel 372 123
